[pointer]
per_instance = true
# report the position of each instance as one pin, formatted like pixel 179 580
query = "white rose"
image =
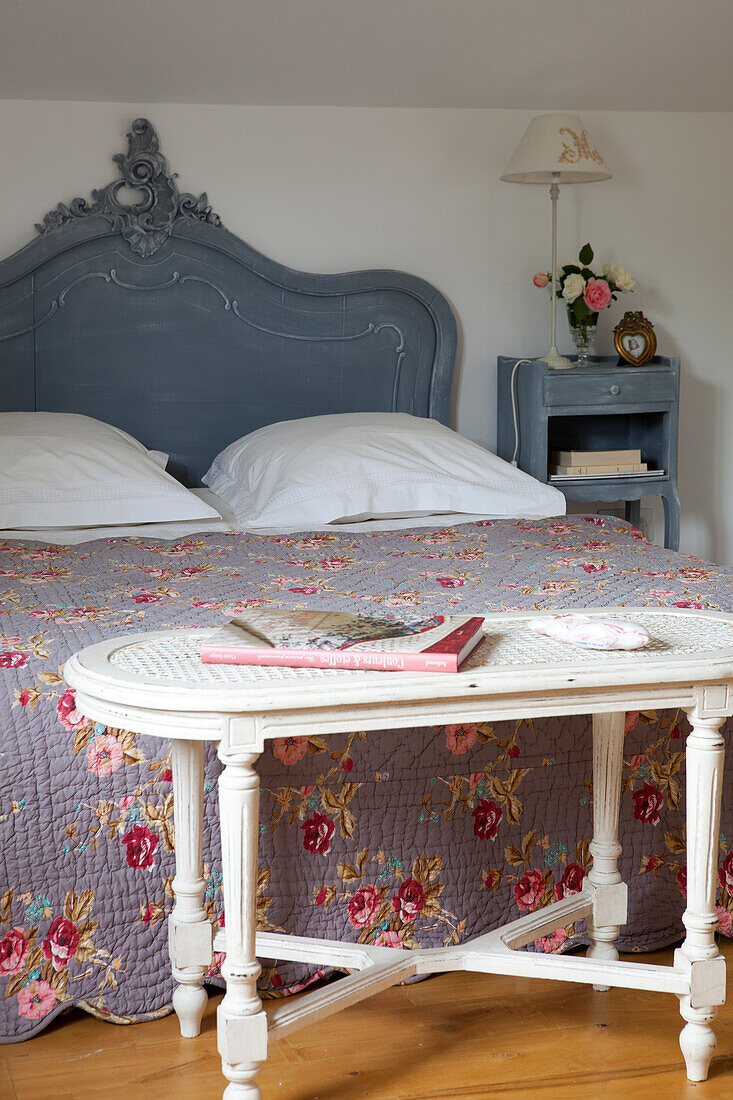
pixel 608 271
pixel 622 279
pixel 574 287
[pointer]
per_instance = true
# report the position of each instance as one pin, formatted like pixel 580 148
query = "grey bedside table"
pixel 598 407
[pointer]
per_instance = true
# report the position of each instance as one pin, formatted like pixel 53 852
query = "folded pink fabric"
pixel 593 633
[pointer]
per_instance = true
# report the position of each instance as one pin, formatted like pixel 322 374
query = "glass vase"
pixel 582 334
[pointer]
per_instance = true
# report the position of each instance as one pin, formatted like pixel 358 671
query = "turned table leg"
pixel 610 892
pixel 189 929
pixel 241 1022
pixel 699 955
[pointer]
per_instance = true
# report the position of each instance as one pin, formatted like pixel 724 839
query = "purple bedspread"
pixel 413 838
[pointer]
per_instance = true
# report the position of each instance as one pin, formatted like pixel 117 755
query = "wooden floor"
pixel 454 1037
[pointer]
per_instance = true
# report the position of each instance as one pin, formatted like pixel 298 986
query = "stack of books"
pixel 587 464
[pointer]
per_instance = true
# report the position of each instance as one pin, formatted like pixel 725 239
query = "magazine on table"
pixel 333 639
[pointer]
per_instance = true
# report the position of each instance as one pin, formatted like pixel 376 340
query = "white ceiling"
pixel 670 55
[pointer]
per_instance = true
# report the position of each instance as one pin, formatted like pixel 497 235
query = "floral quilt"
pixel 408 839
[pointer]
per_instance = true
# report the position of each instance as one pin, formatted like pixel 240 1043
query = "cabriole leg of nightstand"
pixel 241 1019
pixel 189 928
pixel 632 512
pixel 671 502
pixel 699 955
pixel 608 747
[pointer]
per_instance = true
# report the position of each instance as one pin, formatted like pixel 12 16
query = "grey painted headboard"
pixel 142 310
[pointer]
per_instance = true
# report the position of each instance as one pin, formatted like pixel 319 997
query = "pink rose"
pixel 289 750
pixel 141 845
pixel 450 582
pixel 13 659
pixel 304 591
pixel 459 739
pixel 67 712
pixel 632 717
pixel 62 942
pixel 363 906
pixel 571 881
pixel 597 295
pixel 682 880
pixel 13 950
pixel 36 1000
pixel 540 279
pixel 104 754
pixel 647 803
pixel 410 900
pixel 147 597
pixel 486 818
pixel 317 832
pixel 529 889
pixel 347 764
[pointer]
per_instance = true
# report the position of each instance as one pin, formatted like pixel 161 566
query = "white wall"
pixel 330 189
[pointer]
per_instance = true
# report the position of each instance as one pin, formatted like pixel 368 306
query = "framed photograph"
pixel 634 339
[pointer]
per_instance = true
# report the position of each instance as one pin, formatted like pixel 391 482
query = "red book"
pixel 332 639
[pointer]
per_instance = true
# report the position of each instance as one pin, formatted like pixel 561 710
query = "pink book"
pixel 332 639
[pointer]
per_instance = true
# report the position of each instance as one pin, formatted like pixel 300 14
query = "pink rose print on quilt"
pixel 553 942
pixel 11 658
pixel 289 750
pixel 460 739
pixel 13 950
pixel 725 874
pixel 36 1000
pixel 62 942
pixel 67 712
pixel 317 832
pixel 486 818
pixel 389 939
pixel 571 881
pixel 647 803
pixel 364 905
pixel 104 755
pixel 529 889
pixel 410 900
pixel 141 845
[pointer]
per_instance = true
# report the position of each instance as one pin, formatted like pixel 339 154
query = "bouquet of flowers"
pixel 586 294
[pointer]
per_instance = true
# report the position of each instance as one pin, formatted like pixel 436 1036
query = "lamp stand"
pixel 553 358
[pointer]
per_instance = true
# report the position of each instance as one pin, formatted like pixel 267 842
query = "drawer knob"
pixel 615 390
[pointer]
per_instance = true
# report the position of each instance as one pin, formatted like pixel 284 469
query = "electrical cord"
pixel 515 418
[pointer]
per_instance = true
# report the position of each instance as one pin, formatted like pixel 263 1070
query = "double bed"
pixel 154 318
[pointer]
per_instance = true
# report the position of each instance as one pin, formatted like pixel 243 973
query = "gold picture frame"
pixel 634 338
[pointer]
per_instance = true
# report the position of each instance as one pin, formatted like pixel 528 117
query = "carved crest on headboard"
pixel 146 223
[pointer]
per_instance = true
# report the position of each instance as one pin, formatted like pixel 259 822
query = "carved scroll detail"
pixel 147 223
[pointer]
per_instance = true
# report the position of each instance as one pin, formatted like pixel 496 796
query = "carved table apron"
pixel 156 684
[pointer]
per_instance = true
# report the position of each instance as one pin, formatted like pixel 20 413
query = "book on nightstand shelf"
pixel 615 468
pixel 331 639
pixel 595 458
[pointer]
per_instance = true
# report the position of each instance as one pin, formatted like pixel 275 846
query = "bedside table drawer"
pixel 633 386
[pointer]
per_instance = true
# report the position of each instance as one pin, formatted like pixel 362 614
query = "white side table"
pixel 155 684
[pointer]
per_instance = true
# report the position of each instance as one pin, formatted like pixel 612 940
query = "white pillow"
pixel 331 469
pixel 65 470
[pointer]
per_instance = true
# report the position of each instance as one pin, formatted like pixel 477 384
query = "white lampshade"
pixel 556 147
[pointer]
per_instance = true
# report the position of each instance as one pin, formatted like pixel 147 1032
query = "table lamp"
pixel 555 149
